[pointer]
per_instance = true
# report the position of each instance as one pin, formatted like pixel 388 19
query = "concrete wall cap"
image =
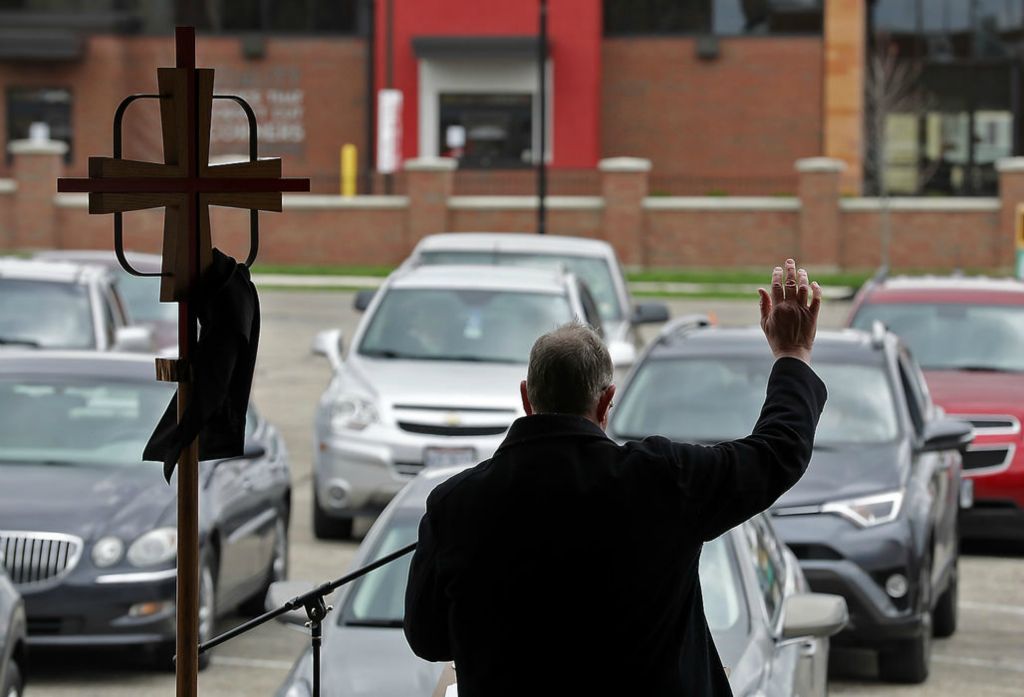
pixel 820 164
pixel 430 164
pixel 333 202
pixel 624 164
pixel 37 147
pixel 8 186
pixel 1010 164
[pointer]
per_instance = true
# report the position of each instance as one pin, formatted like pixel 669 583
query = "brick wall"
pixel 742 118
pixel 819 227
pixel 312 90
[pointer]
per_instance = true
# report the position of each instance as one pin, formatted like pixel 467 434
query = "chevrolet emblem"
pixel 452 419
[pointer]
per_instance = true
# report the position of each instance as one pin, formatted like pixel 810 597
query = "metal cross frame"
pixel 185 185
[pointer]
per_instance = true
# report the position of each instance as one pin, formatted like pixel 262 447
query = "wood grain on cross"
pixel 185 185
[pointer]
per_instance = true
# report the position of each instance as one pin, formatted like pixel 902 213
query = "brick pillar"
pixel 428 182
pixel 624 184
pixel 820 218
pixel 1011 196
pixel 37 164
pixel 845 43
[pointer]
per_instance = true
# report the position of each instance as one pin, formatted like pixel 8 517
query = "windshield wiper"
pixel 973 368
pixel 390 624
pixel 13 341
pixel 388 353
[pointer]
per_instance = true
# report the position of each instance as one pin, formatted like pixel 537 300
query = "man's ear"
pixel 527 407
pixel 604 404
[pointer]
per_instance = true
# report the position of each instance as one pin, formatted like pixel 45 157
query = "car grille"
pixel 35 557
pixel 991 424
pixel 980 458
pixel 439 430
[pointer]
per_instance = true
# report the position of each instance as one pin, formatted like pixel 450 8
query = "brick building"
pixel 721 97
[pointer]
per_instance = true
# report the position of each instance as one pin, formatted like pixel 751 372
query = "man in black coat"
pixel 567 564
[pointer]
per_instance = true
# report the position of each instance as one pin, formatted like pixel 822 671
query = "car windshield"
pixel 594 271
pixel 378 599
pixel 142 295
pixel 462 324
pixel 46 314
pixel 954 336
pixel 706 400
pixel 65 421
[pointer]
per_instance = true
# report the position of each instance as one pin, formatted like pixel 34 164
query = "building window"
pixel 942 92
pixel 486 131
pixel 719 17
pixel 39 105
pixel 271 16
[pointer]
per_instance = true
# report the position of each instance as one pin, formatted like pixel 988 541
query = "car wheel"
pixel 14 683
pixel 909 661
pixel 207 606
pixel 278 570
pixel 945 615
pixel 328 527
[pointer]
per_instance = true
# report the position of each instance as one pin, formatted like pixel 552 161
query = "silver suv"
pixel 58 305
pixel 431 378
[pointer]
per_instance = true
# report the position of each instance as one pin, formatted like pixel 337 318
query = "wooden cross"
pixel 185 185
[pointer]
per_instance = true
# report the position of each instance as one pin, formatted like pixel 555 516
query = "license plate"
pixel 448 457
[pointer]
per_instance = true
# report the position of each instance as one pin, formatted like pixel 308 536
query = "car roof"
pixel 840 345
pixel 103 257
pixel 518 279
pixel 945 289
pixel 514 242
pixel 58 271
pixel 133 367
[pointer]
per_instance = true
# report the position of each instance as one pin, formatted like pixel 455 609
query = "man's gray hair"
pixel 569 368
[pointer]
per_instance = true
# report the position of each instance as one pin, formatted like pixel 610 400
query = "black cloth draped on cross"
pixel 223 362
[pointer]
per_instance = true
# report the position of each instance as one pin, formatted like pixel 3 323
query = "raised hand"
pixel 789 323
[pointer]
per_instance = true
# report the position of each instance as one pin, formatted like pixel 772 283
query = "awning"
pixel 434 47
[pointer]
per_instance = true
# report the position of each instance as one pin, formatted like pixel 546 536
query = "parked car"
pixel 141 294
pixel 968 336
pixel 874 518
pixel 593 261
pixel 432 378
pixel 13 654
pixel 87 529
pixel 58 305
pixel 770 630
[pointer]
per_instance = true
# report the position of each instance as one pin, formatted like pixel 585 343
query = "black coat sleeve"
pixel 728 483
pixel 426 604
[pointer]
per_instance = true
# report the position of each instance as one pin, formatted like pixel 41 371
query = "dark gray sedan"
pixel 13 658
pixel 88 530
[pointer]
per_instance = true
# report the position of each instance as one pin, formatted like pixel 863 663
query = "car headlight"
pixel 107 551
pixel 868 511
pixel 298 688
pixel 353 413
pixel 155 547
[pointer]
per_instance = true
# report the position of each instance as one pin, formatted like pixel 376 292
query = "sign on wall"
pixel 278 99
pixel 389 130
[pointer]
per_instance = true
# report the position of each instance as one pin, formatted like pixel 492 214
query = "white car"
pixel 60 305
pixel 431 378
pixel 593 261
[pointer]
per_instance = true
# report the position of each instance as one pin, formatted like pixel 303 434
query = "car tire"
pixel 278 571
pixel 161 656
pixel 328 527
pixel 944 617
pixel 14 684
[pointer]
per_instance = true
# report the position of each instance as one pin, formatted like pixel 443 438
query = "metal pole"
pixel 542 173
pixel 187 601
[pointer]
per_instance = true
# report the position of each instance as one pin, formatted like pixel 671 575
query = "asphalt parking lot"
pixel 985 657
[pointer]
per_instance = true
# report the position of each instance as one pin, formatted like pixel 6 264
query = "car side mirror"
pixel 813 615
pixel 279 593
pixel 329 344
pixel 363 299
pixel 133 339
pixel 947 434
pixel 252 450
pixel 650 313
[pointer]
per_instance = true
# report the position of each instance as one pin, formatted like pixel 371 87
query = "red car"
pixel 968 336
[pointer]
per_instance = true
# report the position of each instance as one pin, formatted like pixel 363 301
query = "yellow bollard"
pixel 348 169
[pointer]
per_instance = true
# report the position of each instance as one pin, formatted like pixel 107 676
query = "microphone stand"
pixel 316 610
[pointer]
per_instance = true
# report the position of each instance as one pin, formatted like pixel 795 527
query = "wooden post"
pixel 185 185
